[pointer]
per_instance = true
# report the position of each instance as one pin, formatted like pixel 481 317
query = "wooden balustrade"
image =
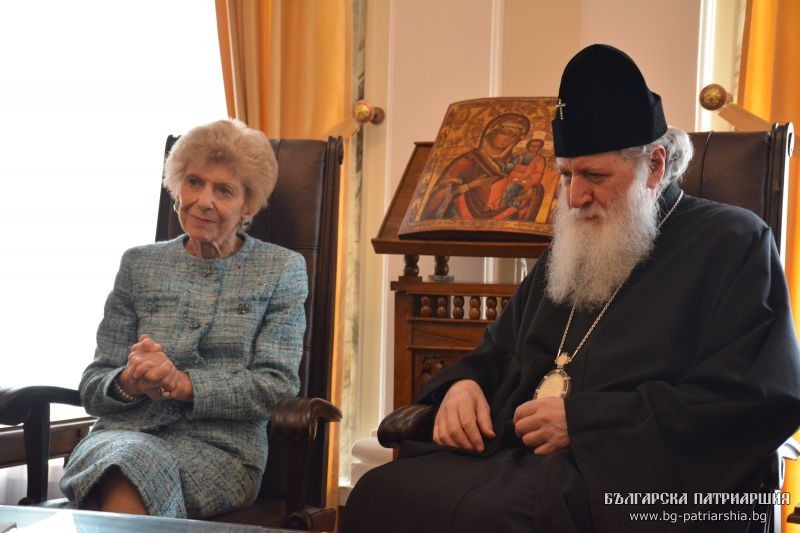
pixel 436 324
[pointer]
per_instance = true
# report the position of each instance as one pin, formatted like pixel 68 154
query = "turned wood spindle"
pixel 491 307
pixel 458 307
pixel 442 304
pixel 425 309
pixel 475 308
pixel 411 268
pixel 442 269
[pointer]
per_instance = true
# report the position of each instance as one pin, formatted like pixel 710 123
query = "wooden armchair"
pixel 302 215
pixel 747 169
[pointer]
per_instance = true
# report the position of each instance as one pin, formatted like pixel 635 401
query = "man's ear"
pixel 657 166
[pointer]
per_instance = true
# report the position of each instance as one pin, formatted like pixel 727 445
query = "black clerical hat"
pixel 604 105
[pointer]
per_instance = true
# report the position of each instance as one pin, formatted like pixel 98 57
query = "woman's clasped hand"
pixel 150 372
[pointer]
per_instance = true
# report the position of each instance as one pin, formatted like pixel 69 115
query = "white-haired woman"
pixel 201 336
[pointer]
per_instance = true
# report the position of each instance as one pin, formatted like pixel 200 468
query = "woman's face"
pixel 212 203
pixel 503 136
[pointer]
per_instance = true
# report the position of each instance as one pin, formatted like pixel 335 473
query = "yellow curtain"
pixel 315 68
pixel 287 68
pixel 287 64
pixel 769 86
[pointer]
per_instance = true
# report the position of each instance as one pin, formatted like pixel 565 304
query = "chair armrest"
pixel 294 421
pixel 16 403
pixel 30 406
pixel 297 418
pixel 412 422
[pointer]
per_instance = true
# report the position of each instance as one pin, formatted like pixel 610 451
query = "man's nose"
pixel 580 193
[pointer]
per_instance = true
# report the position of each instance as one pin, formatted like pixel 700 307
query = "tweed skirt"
pixel 176 476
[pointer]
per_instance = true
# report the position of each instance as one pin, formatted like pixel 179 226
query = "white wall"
pixel 662 37
pixel 540 36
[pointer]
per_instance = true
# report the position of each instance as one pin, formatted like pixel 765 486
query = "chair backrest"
pixel 302 215
pixel 750 170
pixel 746 169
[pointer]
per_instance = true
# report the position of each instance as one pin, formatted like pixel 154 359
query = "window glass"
pixel 90 91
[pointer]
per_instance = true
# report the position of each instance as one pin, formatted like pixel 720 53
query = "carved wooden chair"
pixel 747 169
pixel 302 215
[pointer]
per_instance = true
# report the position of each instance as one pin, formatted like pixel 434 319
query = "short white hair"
pixel 679 150
pixel 245 151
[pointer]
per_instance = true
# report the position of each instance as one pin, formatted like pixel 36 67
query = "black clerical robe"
pixel 687 385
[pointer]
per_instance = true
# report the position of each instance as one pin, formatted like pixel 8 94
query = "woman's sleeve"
pixel 253 391
pixel 115 335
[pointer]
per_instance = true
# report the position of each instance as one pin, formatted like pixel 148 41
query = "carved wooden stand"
pixel 437 321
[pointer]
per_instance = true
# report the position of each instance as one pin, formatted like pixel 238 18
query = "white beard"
pixel 590 258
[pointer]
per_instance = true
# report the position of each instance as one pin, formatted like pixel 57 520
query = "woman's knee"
pixel 116 493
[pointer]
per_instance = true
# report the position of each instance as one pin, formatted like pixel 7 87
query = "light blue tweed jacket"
pixel 235 325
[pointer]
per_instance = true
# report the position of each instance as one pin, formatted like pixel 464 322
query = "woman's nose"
pixel 205 198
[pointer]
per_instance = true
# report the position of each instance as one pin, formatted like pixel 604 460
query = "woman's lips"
pixel 203 221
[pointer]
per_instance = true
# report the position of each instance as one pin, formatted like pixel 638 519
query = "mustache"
pixel 595 247
pixel 583 213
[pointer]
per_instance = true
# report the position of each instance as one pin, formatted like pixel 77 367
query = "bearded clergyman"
pixel 651 352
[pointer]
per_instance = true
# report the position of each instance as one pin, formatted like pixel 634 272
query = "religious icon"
pixel 491 171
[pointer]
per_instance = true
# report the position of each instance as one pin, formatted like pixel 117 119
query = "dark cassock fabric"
pixel 687 385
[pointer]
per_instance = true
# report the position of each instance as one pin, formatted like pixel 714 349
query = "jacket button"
pixel 195 324
pixel 244 308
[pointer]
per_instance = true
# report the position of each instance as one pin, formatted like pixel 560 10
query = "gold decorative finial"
pixel 364 111
pixel 714 96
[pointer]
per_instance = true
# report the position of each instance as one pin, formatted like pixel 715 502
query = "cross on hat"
pixel 560 106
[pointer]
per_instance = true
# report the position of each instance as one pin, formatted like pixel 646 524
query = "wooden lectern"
pixel 436 322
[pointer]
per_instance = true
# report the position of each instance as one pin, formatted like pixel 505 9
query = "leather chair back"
pixel 747 169
pixel 750 170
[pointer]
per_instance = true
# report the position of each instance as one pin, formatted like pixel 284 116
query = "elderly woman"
pixel 201 336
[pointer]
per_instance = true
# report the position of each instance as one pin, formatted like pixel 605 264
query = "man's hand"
pixel 542 425
pixel 151 372
pixel 463 418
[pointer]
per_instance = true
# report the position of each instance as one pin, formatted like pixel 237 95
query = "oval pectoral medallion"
pixel 555 384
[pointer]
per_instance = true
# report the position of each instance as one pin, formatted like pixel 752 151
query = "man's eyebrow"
pixel 592 169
